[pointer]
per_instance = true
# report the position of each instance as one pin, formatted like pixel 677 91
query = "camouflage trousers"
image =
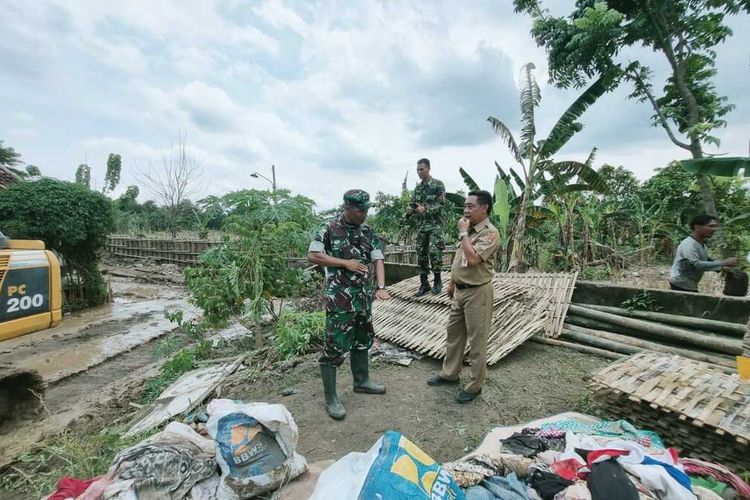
pixel 430 246
pixel 346 331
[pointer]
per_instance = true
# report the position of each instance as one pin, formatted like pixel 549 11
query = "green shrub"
pixel 71 220
pixel 299 332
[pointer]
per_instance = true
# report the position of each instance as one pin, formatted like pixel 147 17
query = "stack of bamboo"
pixel 524 305
pixel 616 332
pixel 693 405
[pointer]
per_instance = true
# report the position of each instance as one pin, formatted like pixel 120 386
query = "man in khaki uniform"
pixel 472 293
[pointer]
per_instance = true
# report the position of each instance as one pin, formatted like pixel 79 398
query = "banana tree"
pixel 535 156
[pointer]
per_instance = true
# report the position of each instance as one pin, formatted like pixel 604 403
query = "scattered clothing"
pixel 608 428
pixel 524 444
pixel 696 467
pixel 709 483
pixel 706 494
pixel 498 488
pixel 578 491
pixel 609 481
pixel 548 484
pixel 70 487
pixel 165 466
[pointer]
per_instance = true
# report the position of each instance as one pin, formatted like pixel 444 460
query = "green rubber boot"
pixel 361 373
pixel 424 285
pixel 437 285
pixel 333 406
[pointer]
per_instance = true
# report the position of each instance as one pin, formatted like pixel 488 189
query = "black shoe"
pixel 438 380
pixel 424 285
pixel 464 397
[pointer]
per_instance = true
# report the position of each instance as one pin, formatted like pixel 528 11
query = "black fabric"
pixel 735 283
pixel 548 484
pixel 609 481
pixel 524 444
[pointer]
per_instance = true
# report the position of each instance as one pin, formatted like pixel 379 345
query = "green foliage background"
pixel 72 221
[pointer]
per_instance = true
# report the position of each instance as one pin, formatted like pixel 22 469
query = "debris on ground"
pixel 256 447
pixel 385 351
pixel 144 272
pixel 705 409
pixel 393 469
pixel 183 395
pixel 524 305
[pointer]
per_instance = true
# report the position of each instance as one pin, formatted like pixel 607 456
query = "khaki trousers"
pixel 469 320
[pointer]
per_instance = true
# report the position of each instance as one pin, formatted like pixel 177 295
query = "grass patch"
pixel 182 362
pixel 81 455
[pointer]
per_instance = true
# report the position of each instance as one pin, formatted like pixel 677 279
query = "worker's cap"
pixel 356 198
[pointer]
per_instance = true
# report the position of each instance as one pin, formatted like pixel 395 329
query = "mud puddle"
pixel 88 338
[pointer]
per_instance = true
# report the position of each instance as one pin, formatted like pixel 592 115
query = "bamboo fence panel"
pixel 697 407
pixel 524 305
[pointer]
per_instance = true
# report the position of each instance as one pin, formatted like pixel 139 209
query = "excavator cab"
pixel 30 288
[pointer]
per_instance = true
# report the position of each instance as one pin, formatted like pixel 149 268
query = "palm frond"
pixel 530 98
pixel 470 183
pixel 455 199
pixel 584 172
pixel 506 136
pixel 567 124
pixel 519 181
pixel 506 177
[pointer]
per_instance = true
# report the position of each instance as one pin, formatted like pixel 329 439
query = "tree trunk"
pixel 519 232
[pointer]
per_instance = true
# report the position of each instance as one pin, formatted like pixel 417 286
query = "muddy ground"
pixel 96 363
pixel 93 357
pixel 534 381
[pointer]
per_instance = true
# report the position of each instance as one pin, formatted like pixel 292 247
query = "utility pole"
pixel 273 176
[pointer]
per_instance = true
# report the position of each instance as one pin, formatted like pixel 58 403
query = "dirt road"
pixel 83 360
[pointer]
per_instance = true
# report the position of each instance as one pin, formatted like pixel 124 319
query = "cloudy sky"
pixel 335 94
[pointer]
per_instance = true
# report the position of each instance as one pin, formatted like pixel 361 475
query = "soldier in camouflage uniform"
pixel 347 247
pixel 427 204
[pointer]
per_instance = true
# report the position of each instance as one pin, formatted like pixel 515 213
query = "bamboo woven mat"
pixel 701 409
pixel 555 290
pixel 520 310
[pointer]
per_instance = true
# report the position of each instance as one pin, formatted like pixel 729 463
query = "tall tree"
pixel 83 175
pixel 112 177
pixel 535 156
pixel 8 156
pixel 589 43
pixel 175 182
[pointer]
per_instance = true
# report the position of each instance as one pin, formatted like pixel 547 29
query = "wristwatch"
pixel 381 287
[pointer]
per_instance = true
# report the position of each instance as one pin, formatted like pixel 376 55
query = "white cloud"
pixel 334 94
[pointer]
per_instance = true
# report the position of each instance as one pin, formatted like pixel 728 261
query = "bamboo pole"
pixel 724 327
pixel 669 333
pixel 577 347
pixel 654 346
pixel 599 342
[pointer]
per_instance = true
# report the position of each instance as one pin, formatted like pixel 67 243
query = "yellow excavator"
pixel 30 300
pixel 30 288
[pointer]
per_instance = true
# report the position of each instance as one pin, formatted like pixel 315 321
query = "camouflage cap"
pixel 357 198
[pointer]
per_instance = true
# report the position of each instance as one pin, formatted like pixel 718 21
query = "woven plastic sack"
pixel 393 469
pixel 255 447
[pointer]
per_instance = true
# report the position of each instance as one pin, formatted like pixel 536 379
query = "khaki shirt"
pixel 485 239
